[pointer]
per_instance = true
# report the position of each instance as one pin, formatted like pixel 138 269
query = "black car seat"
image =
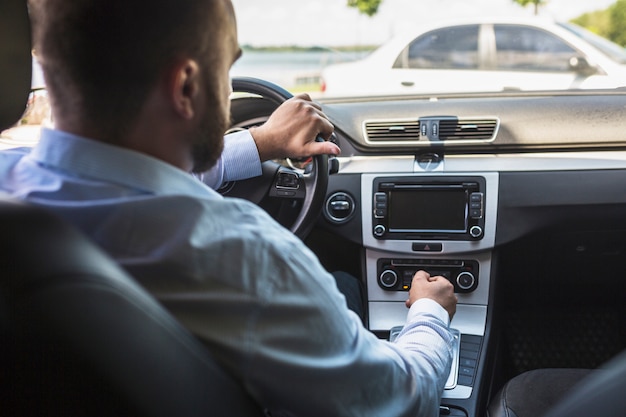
pixel 15 61
pixel 78 337
pixel 564 392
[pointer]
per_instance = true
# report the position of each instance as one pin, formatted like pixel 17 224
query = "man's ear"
pixel 184 86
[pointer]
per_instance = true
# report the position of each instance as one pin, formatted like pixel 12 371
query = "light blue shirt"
pixel 251 290
pixel 239 160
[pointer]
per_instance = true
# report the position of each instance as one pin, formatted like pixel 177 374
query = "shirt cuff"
pixel 430 307
pixel 239 160
pixel 240 157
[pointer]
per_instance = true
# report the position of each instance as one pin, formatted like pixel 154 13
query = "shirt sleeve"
pixel 239 160
pixel 427 333
pixel 304 334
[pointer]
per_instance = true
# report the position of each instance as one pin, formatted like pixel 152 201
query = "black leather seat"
pixel 564 393
pixel 532 393
pixel 15 61
pixel 77 336
pixel 601 393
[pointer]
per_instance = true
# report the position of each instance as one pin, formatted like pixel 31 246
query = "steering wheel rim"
pixel 315 182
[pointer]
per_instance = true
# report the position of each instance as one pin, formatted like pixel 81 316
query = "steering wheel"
pixel 292 193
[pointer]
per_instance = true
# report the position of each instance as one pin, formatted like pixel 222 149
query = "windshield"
pixel 384 48
pixel 341 48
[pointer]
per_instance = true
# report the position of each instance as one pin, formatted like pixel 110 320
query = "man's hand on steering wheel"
pixel 292 129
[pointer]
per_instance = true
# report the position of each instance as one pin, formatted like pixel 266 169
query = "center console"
pixel 443 224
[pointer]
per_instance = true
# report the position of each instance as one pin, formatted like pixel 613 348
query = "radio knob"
pixel 476 231
pixel 388 279
pixel 465 280
pixel 379 230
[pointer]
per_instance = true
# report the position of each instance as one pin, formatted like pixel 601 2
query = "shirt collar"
pixel 91 159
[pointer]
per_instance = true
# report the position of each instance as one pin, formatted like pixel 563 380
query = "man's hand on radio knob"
pixel 436 288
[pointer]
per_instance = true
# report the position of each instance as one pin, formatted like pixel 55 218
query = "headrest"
pixel 15 61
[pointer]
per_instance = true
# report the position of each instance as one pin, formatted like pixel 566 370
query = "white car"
pixel 490 55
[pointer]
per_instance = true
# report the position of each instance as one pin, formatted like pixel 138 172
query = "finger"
pixel 322 148
pixel 421 274
pixel 325 127
pixel 303 96
pixel 309 101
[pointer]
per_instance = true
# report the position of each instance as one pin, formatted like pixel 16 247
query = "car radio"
pixel 431 208
pixel 397 274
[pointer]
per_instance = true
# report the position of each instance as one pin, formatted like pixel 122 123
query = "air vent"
pixel 398 131
pixel 427 131
pixel 467 129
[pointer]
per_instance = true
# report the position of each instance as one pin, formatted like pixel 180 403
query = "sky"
pixel 332 23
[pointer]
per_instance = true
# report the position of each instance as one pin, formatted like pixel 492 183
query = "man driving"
pixel 140 97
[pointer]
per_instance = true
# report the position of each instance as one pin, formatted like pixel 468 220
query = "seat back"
pixel 15 61
pixel 79 337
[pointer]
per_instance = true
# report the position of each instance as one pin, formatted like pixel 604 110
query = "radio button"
pixel 380 205
pixel 476 214
pixel 476 205
pixel 465 280
pixel 379 230
pixel 388 279
pixel 476 231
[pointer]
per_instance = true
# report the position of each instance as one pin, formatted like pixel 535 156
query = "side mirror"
pixel 582 66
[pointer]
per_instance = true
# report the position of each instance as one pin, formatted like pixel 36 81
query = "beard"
pixel 208 142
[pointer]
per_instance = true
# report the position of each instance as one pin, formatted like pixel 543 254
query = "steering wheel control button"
pixel 287 184
pixel 339 207
pixel 287 180
pixel 427 247
pixel 285 193
pixel 379 230
pixel 388 279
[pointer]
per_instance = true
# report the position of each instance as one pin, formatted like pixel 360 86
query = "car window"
pixel 447 48
pixel 525 48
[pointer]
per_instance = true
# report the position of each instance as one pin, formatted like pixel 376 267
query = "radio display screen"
pixel 428 210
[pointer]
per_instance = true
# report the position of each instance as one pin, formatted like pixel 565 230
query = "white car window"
pixel 529 49
pixel 447 48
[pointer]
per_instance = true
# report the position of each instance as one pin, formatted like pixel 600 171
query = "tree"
pixel 368 7
pixel 617 31
pixel 537 3
pixel 598 22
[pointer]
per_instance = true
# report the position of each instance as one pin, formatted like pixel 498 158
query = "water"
pixel 293 70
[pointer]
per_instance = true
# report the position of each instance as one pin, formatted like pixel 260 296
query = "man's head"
pixel 104 59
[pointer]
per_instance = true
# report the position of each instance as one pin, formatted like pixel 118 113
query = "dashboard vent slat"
pixel 467 129
pixel 393 131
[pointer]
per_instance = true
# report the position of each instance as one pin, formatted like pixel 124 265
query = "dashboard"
pixel 482 206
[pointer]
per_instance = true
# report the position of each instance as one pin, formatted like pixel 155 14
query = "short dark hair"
pixel 104 56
